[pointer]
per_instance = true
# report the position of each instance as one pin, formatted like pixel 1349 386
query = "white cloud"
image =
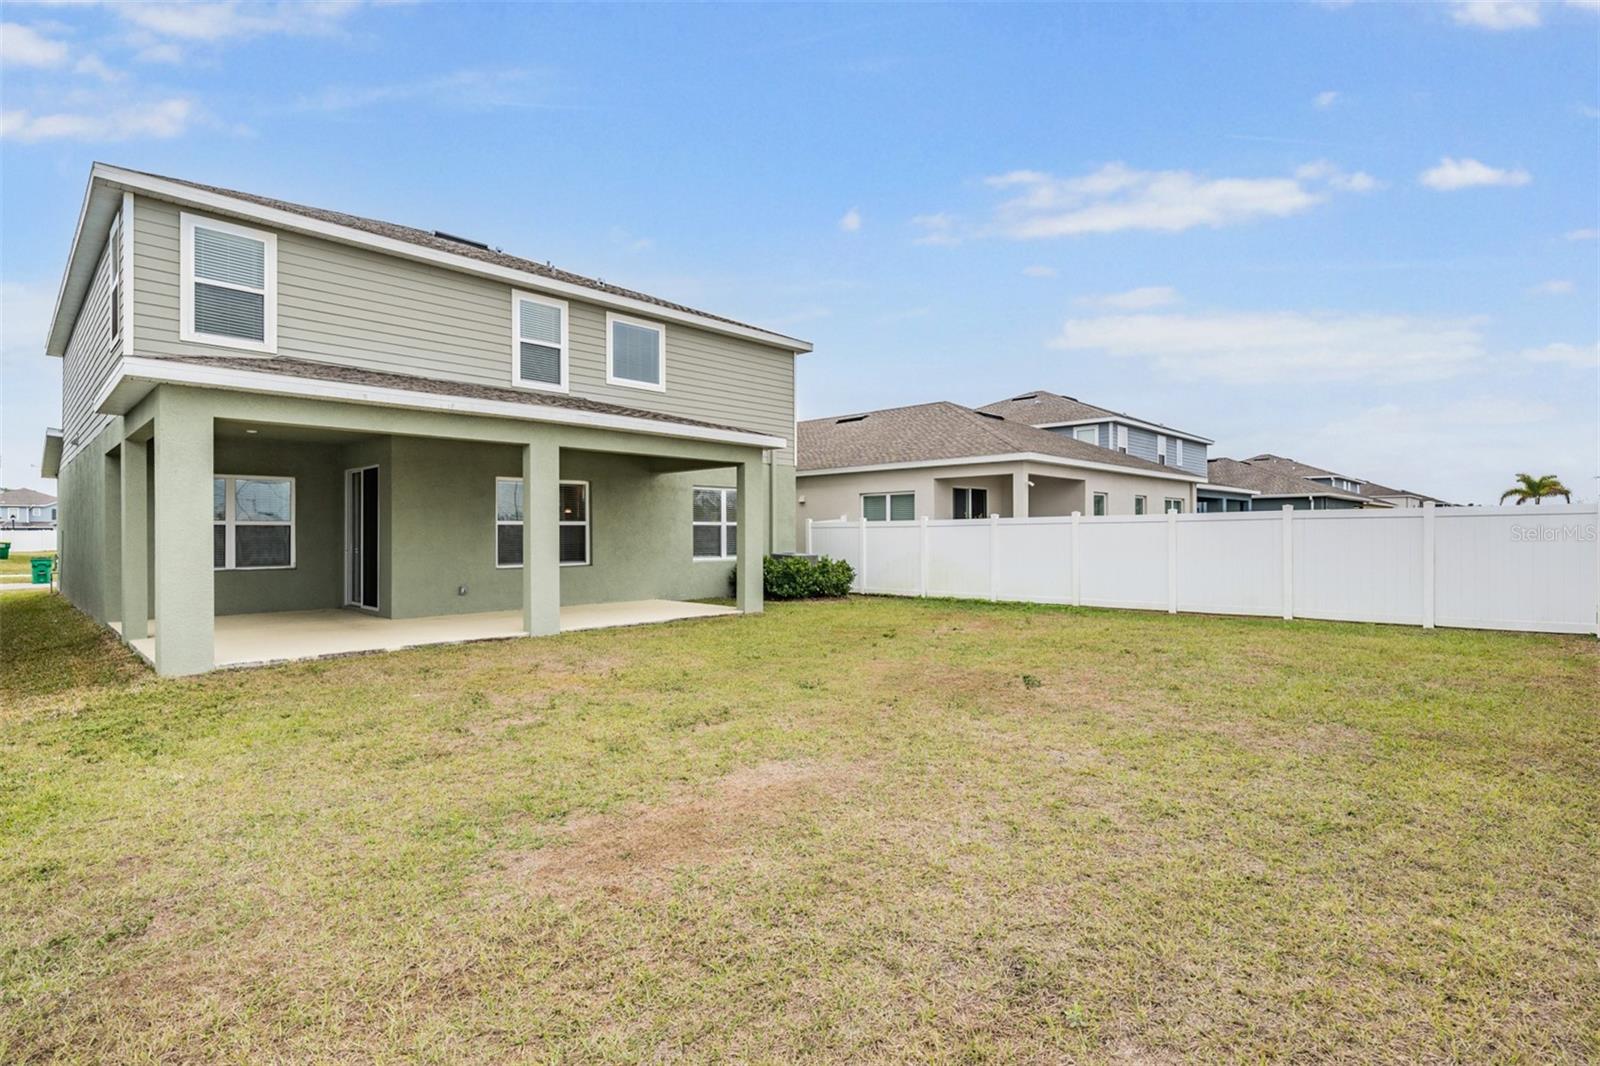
pixel 1275 346
pixel 159 119
pixel 1039 271
pixel 1141 299
pixel 850 221
pixel 1325 99
pixel 1581 356
pixel 1336 177
pixel 160 53
pixel 936 229
pixel 470 89
pixel 1452 174
pixel 94 66
pixel 1582 234
pixel 1553 287
pixel 213 22
pixel 1117 197
pixel 22 46
pixel 1497 14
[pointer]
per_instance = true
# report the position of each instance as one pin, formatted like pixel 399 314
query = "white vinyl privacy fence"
pixel 1523 568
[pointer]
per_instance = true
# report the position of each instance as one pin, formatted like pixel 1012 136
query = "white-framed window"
pixel 1101 502
pixel 889 506
pixel 252 522
pixel 228 290
pixel 969 503
pixel 114 252
pixel 572 520
pixel 1087 434
pixel 1161 449
pixel 538 342
pixel 716 523
pixel 636 352
pixel 1140 505
pixel 1173 505
pixel 1121 433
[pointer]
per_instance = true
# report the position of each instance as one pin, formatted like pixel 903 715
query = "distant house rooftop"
pixel 1044 408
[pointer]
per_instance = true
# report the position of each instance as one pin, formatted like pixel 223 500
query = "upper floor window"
pixel 636 353
pixel 114 255
pixel 228 292
pixel 539 356
pixel 1120 436
pixel 1161 449
pixel 1087 434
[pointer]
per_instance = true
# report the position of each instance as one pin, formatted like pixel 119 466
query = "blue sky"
pixel 1363 235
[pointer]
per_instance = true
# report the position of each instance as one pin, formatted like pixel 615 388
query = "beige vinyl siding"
pixel 87 363
pixel 354 306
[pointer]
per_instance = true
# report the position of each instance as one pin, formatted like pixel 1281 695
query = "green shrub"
pixel 793 577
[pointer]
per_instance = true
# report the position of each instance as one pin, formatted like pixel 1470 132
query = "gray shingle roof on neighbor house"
pixel 932 431
pixel 431 239
pixel 1042 407
pixel 1269 482
pixel 25 498
pixel 289 366
pixel 1368 489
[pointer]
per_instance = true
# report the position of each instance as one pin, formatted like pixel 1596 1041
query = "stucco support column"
pixel 1019 494
pixel 541 537
pixel 186 601
pixel 132 520
pixel 752 535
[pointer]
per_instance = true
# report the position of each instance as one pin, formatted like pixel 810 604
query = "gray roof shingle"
pixel 25 498
pixel 933 431
pixel 1267 481
pixel 1368 489
pixel 1042 407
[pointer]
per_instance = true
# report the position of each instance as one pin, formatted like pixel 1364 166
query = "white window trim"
pixel 1167 503
pixel 230 522
pixel 969 489
pixel 269 290
pixel 1087 434
pixel 588 533
pixel 1141 505
pixel 642 323
pixel 517 297
pixel 1177 445
pixel 1120 438
pixel 1106 496
pixel 888 503
pixel 721 524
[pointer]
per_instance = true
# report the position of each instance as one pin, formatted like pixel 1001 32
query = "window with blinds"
pixel 572 522
pixel 636 353
pixel 716 523
pixel 889 506
pixel 229 283
pixel 539 359
pixel 252 523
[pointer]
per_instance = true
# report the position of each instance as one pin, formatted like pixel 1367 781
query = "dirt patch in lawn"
pixel 640 850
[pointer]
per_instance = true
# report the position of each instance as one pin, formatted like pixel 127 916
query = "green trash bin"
pixel 5 549
pixel 42 565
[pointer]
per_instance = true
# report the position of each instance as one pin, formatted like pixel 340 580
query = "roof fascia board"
pixel 288 220
pixel 1027 457
pixel 1154 427
pixel 136 377
pixel 1228 488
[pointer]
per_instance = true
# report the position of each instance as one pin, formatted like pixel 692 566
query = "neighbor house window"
pixel 1174 506
pixel 1138 505
pixel 889 506
pixel 228 292
pixel 635 353
pixel 252 523
pixel 1099 503
pixel 114 254
pixel 969 503
pixel 1121 438
pixel 539 356
pixel 1087 434
pixel 1161 449
pixel 510 501
pixel 716 523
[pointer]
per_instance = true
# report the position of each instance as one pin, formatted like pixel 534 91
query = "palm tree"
pixel 1536 489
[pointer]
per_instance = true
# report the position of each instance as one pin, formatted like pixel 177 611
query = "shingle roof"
pixel 1368 489
pixel 429 239
pixel 1249 474
pixel 307 368
pixel 932 431
pixel 25 498
pixel 1042 407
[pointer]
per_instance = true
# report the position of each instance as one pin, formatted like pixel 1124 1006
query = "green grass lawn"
pixel 867 830
pixel 19 562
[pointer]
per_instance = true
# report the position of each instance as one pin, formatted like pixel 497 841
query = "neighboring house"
pixel 1111 430
pixel 27 509
pixel 1274 489
pixel 942 460
pixel 1374 494
pixel 269 407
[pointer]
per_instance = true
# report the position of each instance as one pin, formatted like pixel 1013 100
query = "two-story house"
pixel 1342 489
pixel 289 431
pixel 27 509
